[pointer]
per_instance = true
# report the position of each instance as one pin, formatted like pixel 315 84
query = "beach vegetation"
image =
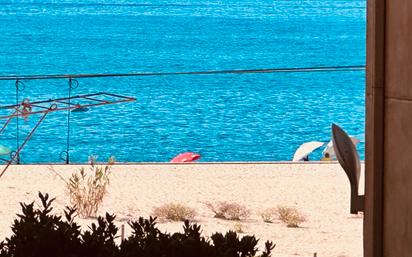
pixel 290 216
pixel 269 215
pixel 37 233
pixel 229 211
pixel 87 188
pixel 174 212
pixel 239 227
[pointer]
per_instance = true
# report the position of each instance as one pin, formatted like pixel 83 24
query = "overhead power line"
pixel 208 72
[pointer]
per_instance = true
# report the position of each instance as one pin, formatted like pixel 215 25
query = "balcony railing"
pixel 65 97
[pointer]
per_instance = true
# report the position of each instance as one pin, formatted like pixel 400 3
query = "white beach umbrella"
pixel 305 149
pixel 329 147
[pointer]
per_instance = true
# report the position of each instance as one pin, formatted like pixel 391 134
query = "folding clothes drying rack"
pixel 72 103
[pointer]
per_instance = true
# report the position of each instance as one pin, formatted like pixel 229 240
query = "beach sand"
pixel 319 191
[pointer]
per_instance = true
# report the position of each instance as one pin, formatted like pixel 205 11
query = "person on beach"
pixel 326 157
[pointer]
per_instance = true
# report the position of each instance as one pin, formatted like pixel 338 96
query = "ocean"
pixel 223 117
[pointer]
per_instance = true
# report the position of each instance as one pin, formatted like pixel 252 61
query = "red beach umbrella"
pixel 186 157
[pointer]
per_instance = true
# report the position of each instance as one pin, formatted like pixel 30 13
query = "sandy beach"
pixel 319 191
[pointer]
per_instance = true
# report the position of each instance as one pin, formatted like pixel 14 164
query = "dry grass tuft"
pixel 269 215
pixel 229 211
pixel 290 216
pixel 174 212
pixel 238 227
pixel 87 189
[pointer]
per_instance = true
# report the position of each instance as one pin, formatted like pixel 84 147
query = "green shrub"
pixel 37 233
pixel 174 212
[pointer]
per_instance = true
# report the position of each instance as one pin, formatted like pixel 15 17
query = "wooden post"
pixel 375 92
pixel 122 232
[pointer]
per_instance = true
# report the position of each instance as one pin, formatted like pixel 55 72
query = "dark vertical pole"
pixel 68 123
pixel 17 120
pixel 73 84
pixel 122 233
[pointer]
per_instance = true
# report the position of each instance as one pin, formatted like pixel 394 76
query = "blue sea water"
pixel 242 117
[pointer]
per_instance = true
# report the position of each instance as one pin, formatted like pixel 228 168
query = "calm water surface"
pixel 249 117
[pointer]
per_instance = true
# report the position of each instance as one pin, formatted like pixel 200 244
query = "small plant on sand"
pixel 290 216
pixel 174 212
pixel 269 215
pixel 229 211
pixel 87 189
pixel 238 227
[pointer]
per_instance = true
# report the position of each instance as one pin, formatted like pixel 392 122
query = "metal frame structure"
pixel 68 101
pixel 44 107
